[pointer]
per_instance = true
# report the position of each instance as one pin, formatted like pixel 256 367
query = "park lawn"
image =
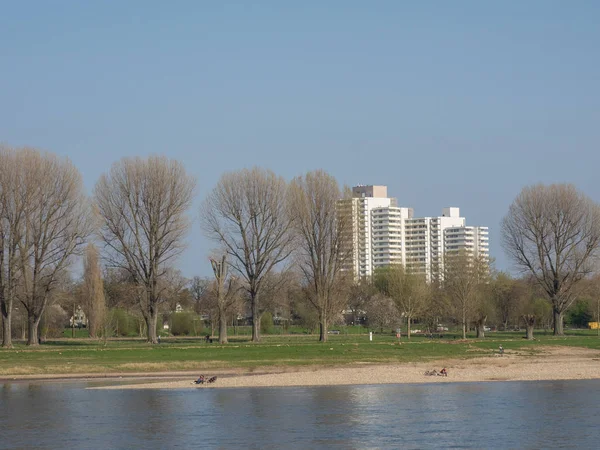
pixel 79 356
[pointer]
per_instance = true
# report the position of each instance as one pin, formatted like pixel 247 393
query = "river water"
pixel 545 414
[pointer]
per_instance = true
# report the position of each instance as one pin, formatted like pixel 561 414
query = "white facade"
pixel 474 240
pixel 364 200
pixel 385 234
pixel 388 235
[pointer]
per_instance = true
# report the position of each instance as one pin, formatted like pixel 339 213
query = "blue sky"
pixel 448 103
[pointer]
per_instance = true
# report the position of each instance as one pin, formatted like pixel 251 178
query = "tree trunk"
pixel 255 319
pixel 222 328
pixel 408 327
pixel 558 322
pixel 481 327
pixel 151 320
pixel 323 330
pixel 480 331
pixel 42 330
pixel 32 330
pixel 92 322
pixel 598 318
pixel 529 324
pixel 6 327
pixel 529 332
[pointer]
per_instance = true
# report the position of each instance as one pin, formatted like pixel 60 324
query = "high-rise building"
pixel 359 208
pixel 383 234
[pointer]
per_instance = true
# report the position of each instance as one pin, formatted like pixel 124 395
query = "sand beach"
pixel 550 363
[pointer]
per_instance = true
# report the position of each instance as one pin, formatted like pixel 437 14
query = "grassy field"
pixel 77 356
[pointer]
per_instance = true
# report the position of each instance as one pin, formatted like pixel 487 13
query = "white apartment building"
pixel 364 200
pixel 474 240
pixel 384 234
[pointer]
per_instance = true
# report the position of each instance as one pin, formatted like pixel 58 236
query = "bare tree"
pixel 202 298
pixel 143 204
pixel 529 307
pixel 55 224
pixel 226 291
pixel 505 294
pixel 62 302
pixel 246 215
pixel 276 290
pixel 484 308
pixel 382 313
pixel 12 208
pixel 119 289
pixel 553 232
pixel 174 289
pixel 360 294
pixel 93 291
pixel 198 287
pixel 409 291
pixel 313 201
pixel 68 296
pixel 464 275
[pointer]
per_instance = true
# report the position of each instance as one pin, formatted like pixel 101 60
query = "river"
pixel 543 414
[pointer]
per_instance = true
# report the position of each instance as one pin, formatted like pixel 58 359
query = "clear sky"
pixel 456 103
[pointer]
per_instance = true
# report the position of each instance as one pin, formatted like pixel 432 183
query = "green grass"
pixel 79 333
pixel 72 356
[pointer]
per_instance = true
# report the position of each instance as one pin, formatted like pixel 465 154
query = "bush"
pixel 123 323
pixel 52 323
pixel 266 323
pixel 306 317
pixel 579 314
pixel 182 324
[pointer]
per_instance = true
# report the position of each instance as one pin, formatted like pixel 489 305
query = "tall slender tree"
pixel 12 207
pixel 225 291
pixel 93 291
pixel 143 204
pixel 313 201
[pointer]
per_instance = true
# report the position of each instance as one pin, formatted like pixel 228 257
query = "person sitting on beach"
pixel 200 380
pixel 444 372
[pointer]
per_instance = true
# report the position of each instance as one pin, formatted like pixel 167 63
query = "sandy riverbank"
pixel 553 363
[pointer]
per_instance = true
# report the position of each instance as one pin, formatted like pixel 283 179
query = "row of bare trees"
pixel 263 223
pixel 141 206
pixel 261 226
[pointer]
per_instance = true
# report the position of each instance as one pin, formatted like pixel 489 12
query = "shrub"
pixel 182 323
pixel 52 323
pixel 266 323
pixel 579 314
pixel 123 323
